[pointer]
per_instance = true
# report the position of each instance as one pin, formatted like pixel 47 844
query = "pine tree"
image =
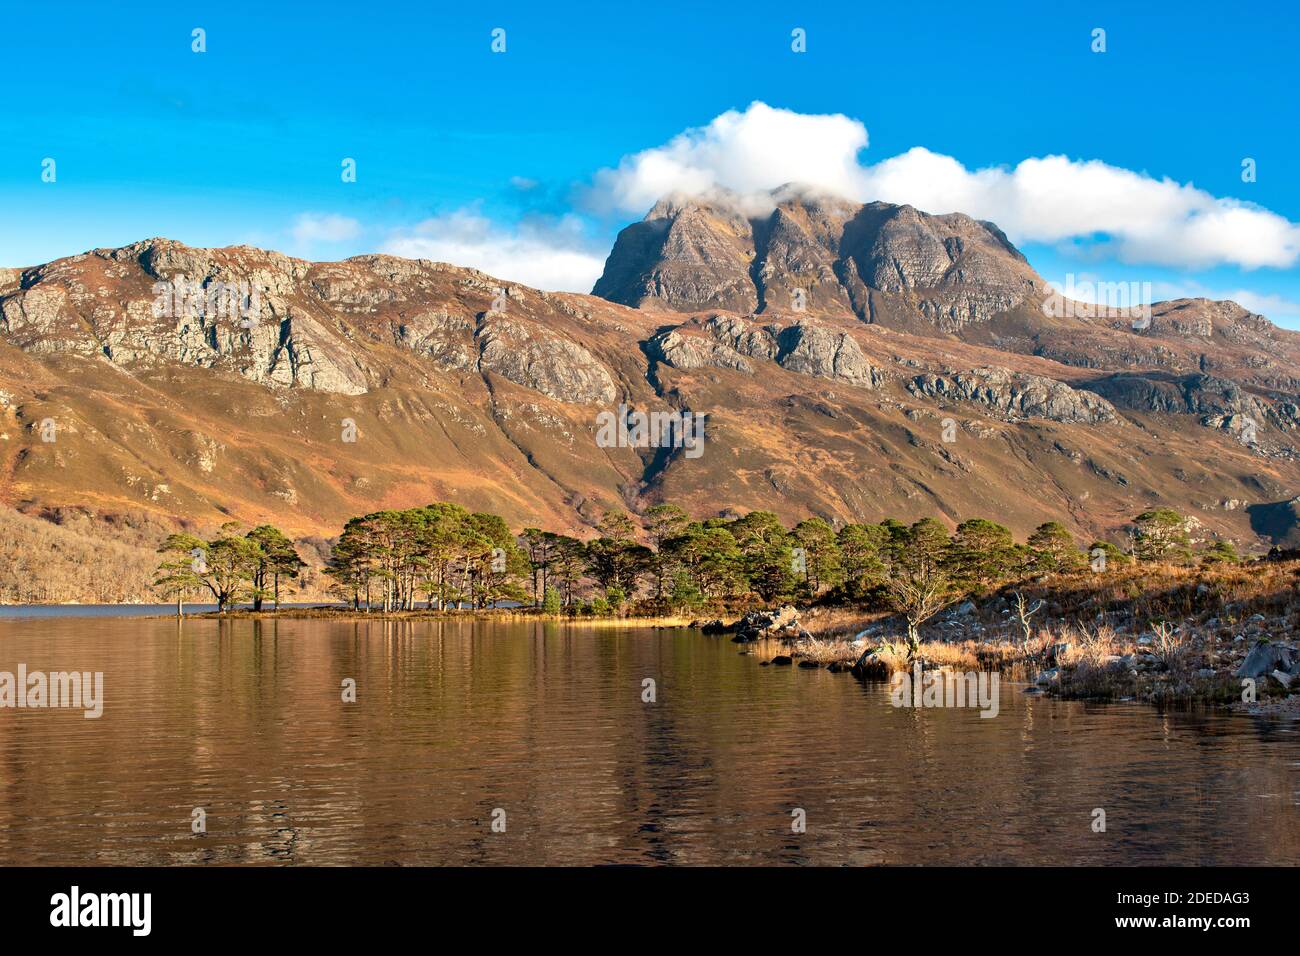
pixel 1161 535
pixel 1052 548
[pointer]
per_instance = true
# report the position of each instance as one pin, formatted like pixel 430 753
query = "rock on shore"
pixel 757 625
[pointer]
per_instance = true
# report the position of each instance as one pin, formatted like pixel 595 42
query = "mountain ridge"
pixel 918 401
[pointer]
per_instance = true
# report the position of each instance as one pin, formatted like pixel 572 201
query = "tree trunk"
pixel 180 605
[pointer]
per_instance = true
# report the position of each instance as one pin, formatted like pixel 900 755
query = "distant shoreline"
pixel 317 612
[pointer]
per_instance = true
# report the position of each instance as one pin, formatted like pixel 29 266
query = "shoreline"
pixel 1187 661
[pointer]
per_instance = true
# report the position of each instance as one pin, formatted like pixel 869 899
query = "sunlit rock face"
pixel 820 255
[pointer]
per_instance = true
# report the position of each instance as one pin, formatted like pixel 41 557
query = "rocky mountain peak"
pixel 878 261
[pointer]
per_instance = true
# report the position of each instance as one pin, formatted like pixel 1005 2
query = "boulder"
pixel 782 660
pixel 1264 658
pixel 870 666
pixel 756 625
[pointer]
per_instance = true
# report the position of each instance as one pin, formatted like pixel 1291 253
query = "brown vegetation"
pixel 1161 632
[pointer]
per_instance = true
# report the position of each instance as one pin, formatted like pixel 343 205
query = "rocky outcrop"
pixel 826 353
pixel 806 347
pixel 955 270
pixel 1217 402
pixel 1015 395
pixel 1208 318
pixel 687 351
pixel 189 306
pixel 1191 394
pixel 751 339
pixel 277 320
pixel 558 368
pixel 446 338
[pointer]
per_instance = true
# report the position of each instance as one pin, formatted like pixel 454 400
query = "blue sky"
pixel 497 158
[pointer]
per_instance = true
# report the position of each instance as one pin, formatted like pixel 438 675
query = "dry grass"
pixel 842 623
pixel 826 652
pixel 1166 592
pixel 1171 648
pixel 891 657
pixel 485 614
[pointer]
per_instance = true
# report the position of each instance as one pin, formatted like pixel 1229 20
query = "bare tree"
pixel 1024 612
pixel 917 578
pixel 919 592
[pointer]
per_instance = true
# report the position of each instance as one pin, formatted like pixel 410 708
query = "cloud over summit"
pixel 1140 219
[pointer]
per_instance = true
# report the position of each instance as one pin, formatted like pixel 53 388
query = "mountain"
pixel 882 263
pixel 950 275
pixel 852 362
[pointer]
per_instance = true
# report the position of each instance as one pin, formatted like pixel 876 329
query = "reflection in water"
pixel 454 721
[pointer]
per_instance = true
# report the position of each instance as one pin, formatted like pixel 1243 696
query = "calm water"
pixel 17 611
pixel 452 721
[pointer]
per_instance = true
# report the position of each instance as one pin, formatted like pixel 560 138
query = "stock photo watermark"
pixel 1086 299
pixel 945 689
pixel 627 428
pixel 237 302
pixel 64 690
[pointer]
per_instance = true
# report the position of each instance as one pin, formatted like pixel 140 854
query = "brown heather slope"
pixel 490 398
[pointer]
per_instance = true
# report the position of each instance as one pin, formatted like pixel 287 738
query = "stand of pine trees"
pixel 443 556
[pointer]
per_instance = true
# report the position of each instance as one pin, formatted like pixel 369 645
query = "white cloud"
pixel 1137 218
pixel 546 255
pixel 1091 210
pixel 747 153
pixel 1055 198
pixel 324 227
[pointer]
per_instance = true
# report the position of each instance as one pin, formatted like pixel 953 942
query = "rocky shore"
pixel 1232 642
